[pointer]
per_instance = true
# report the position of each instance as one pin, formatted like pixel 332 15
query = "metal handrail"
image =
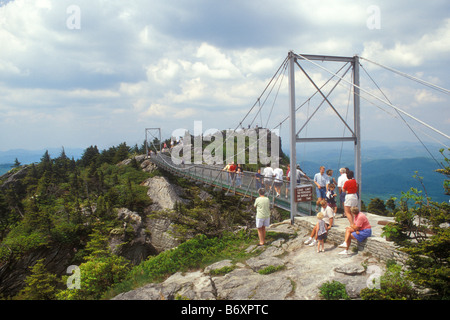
pixel 246 189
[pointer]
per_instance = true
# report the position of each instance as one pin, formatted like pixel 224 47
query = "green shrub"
pixel 333 290
pixel 393 286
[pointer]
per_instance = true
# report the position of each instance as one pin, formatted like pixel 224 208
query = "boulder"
pixel 132 241
pixel 163 194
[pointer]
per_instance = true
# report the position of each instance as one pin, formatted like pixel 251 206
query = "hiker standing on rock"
pixel 262 205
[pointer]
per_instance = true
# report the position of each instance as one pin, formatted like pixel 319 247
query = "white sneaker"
pixel 343 245
pixel 343 252
pixel 308 241
pixel 313 243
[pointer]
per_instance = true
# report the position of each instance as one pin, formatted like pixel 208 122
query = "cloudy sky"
pixel 79 73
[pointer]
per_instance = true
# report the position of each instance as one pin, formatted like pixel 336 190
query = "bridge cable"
pixel 378 98
pixel 423 82
pixel 402 118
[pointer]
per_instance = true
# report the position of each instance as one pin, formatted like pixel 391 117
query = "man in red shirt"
pixel 360 230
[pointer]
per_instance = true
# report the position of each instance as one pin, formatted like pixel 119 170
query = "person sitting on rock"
pixel 360 230
pixel 328 217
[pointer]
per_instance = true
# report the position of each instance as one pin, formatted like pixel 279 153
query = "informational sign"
pixel 303 193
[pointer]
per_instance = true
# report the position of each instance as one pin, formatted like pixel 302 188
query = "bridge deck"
pixel 245 185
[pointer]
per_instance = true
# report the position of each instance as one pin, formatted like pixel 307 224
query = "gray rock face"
pixel 132 241
pixel 163 194
pixel 303 273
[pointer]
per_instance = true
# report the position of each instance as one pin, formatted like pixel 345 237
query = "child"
pixel 239 177
pixel 330 178
pixel 321 232
pixel 331 197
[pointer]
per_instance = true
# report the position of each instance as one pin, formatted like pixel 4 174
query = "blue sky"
pixel 81 73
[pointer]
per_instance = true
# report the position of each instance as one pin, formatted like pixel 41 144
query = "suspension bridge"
pixel 299 196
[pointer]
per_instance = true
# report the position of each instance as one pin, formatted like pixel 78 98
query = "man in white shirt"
pixel 278 182
pixel 268 177
pixel 320 180
pixel 341 180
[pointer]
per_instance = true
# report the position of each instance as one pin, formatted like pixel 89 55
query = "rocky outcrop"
pixel 14 177
pixel 163 194
pixel 301 272
pixel 161 235
pixel 133 240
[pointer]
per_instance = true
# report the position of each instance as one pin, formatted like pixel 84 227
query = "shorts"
pixel 363 234
pixel 342 198
pixel 351 200
pixel 332 204
pixel 262 222
pixel 323 236
pixel 321 193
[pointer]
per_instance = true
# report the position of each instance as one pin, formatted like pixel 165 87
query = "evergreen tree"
pixel 89 156
pixel 122 153
pixel 16 163
pixel 40 285
pixel 377 206
pixel 46 163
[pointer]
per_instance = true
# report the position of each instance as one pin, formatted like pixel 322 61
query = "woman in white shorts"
pixel 351 195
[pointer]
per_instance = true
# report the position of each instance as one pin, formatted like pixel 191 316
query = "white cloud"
pixel 135 63
pixel 414 53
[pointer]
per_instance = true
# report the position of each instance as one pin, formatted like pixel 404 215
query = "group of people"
pixel 234 173
pixel 269 177
pixel 359 227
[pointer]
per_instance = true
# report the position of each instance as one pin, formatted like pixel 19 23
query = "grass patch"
pixel 271 269
pixel 193 254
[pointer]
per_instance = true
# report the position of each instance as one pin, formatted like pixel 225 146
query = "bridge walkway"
pixel 245 185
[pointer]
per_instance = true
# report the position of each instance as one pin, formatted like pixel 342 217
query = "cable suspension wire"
pixel 312 96
pixel 401 117
pixel 268 94
pixel 276 96
pixel 378 98
pixel 425 83
pixel 265 89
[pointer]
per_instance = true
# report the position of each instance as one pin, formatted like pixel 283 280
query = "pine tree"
pixel 40 285
pixel 121 153
pixel 16 163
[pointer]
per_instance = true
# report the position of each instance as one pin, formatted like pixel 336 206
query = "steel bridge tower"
pixel 355 130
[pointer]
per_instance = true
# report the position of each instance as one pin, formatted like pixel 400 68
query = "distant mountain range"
pixel 30 156
pixel 387 168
